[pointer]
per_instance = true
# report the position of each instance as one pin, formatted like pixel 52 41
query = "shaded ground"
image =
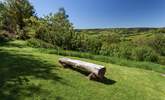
pixel 16 71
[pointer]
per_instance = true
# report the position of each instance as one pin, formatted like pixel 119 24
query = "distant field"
pixel 128 33
pixel 27 74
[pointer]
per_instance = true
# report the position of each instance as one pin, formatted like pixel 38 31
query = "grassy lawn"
pixel 27 74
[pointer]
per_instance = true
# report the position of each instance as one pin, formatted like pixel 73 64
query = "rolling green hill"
pixel 29 74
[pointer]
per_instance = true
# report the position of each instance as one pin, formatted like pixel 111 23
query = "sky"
pixel 107 13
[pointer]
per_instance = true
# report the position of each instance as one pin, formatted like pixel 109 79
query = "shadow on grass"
pixel 104 80
pixel 16 71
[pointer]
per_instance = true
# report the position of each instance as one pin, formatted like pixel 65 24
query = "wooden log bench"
pixel 96 71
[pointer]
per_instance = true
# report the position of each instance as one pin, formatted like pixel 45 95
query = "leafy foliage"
pixel 5 36
pixel 14 13
pixel 157 42
pixel 59 31
pixel 36 43
pixel 144 54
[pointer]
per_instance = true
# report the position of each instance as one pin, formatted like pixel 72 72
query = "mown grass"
pixel 27 74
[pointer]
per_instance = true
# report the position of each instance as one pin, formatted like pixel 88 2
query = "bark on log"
pixel 95 70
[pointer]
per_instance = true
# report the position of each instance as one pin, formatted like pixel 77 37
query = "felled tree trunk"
pixel 96 71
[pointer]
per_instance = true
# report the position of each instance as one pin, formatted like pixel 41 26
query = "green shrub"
pixel 109 49
pixel 157 42
pixel 125 50
pixel 122 50
pixel 36 43
pixel 111 38
pixel 26 33
pixel 161 60
pixel 144 54
pixel 130 51
pixel 5 36
pixel 140 40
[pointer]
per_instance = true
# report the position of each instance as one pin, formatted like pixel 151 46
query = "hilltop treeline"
pixel 18 20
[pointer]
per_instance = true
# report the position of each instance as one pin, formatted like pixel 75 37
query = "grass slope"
pixel 26 74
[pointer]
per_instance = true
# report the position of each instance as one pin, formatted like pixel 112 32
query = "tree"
pixel 59 31
pixel 14 13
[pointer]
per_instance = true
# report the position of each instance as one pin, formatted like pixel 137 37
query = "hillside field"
pixel 28 74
